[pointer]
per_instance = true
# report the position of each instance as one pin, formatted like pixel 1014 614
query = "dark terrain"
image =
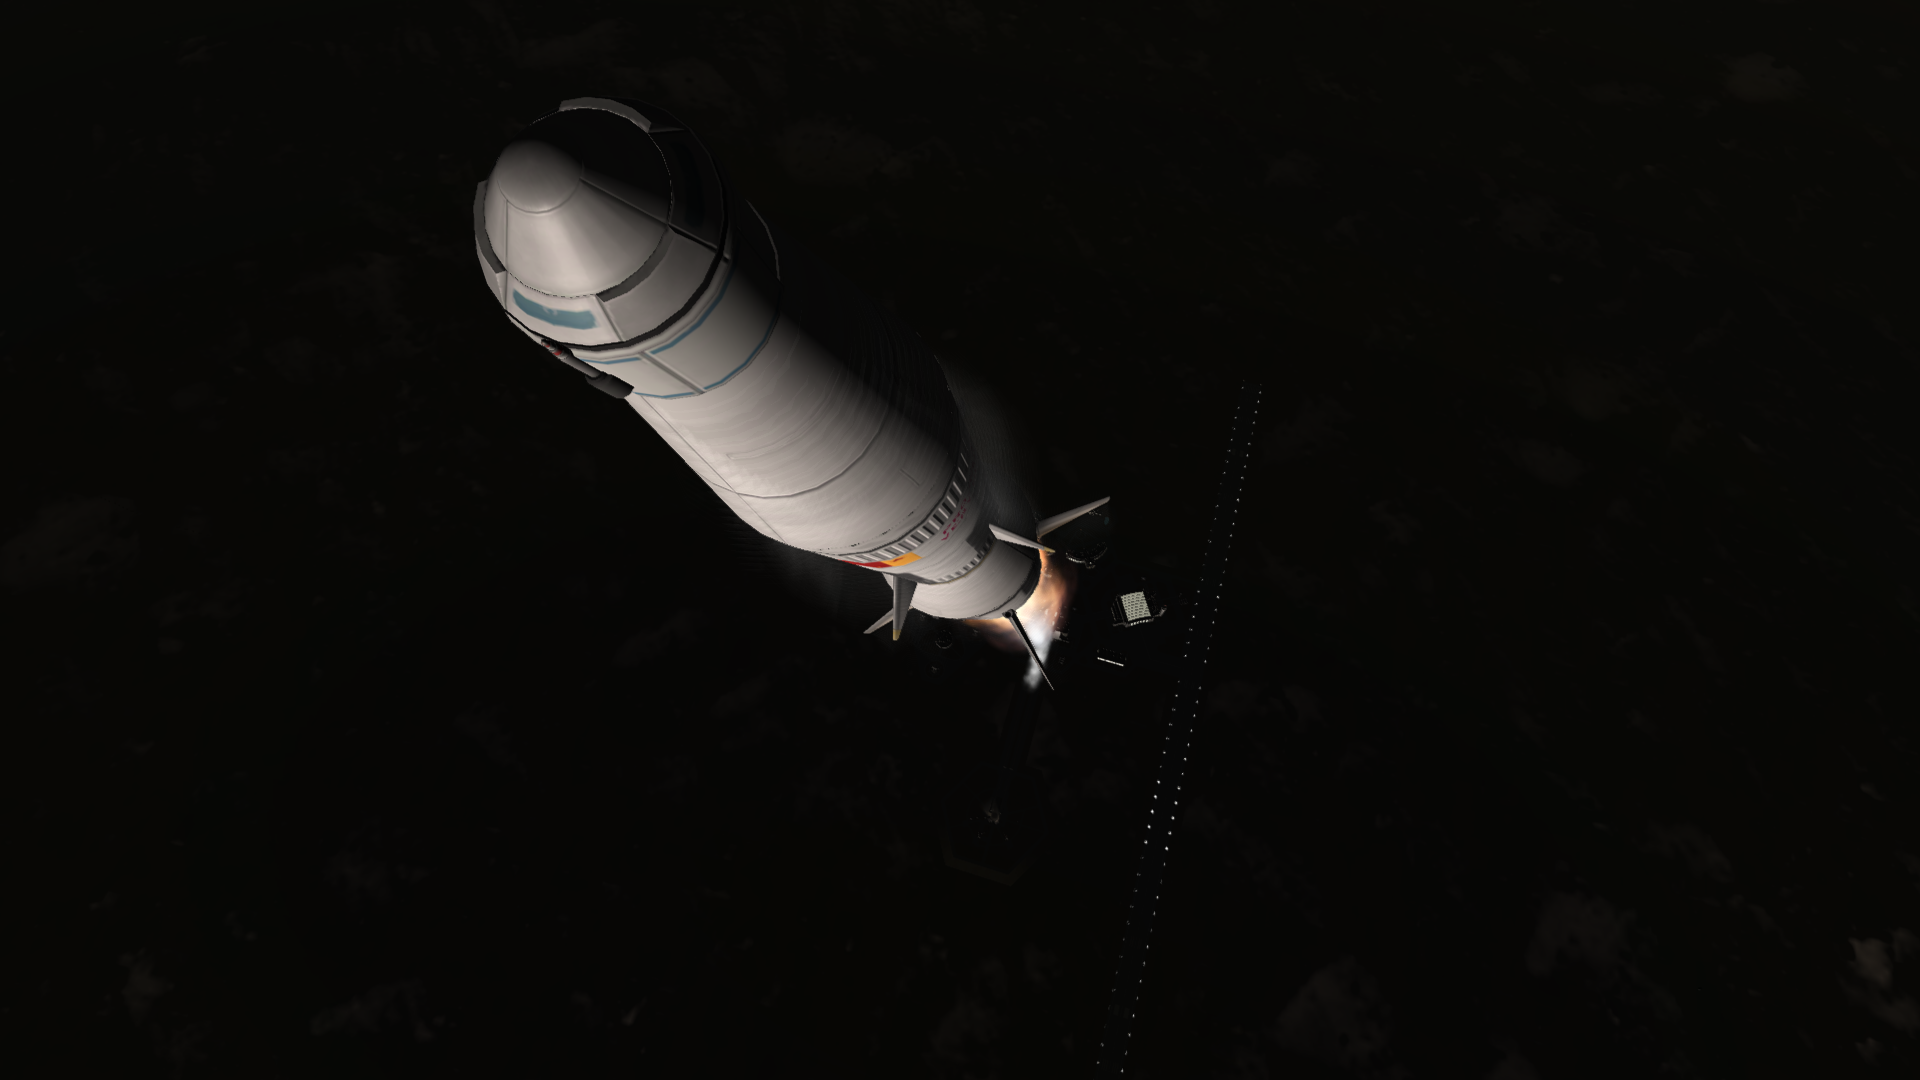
pixel 385 702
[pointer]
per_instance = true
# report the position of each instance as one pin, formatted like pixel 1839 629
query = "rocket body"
pixel 610 237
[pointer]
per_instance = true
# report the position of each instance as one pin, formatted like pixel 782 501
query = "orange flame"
pixel 1043 613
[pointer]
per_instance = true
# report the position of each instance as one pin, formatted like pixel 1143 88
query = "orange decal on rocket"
pixel 901 561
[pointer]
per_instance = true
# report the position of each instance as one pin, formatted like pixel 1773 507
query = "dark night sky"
pixel 384 702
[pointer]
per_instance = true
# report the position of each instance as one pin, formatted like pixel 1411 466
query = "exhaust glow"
pixel 1043 614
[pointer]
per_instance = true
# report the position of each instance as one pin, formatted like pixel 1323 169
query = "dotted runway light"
pixel 1130 972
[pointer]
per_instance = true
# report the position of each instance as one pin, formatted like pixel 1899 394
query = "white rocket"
pixel 609 236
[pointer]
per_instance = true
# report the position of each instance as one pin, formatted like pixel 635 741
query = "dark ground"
pixel 386 703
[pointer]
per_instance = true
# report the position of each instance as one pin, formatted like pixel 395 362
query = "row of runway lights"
pixel 1197 635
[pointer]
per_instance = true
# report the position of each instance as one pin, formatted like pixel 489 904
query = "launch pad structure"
pixel 994 821
pixel 1177 742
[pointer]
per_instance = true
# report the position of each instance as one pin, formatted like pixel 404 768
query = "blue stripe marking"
pixel 703 315
pixel 682 336
pixel 756 349
pixel 573 320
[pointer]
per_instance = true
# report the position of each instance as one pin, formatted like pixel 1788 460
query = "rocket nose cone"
pixel 536 175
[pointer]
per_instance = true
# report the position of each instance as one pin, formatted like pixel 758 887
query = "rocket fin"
pixel 902 602
pixel 1016 538
pixel 1058 520
pixel 879 622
